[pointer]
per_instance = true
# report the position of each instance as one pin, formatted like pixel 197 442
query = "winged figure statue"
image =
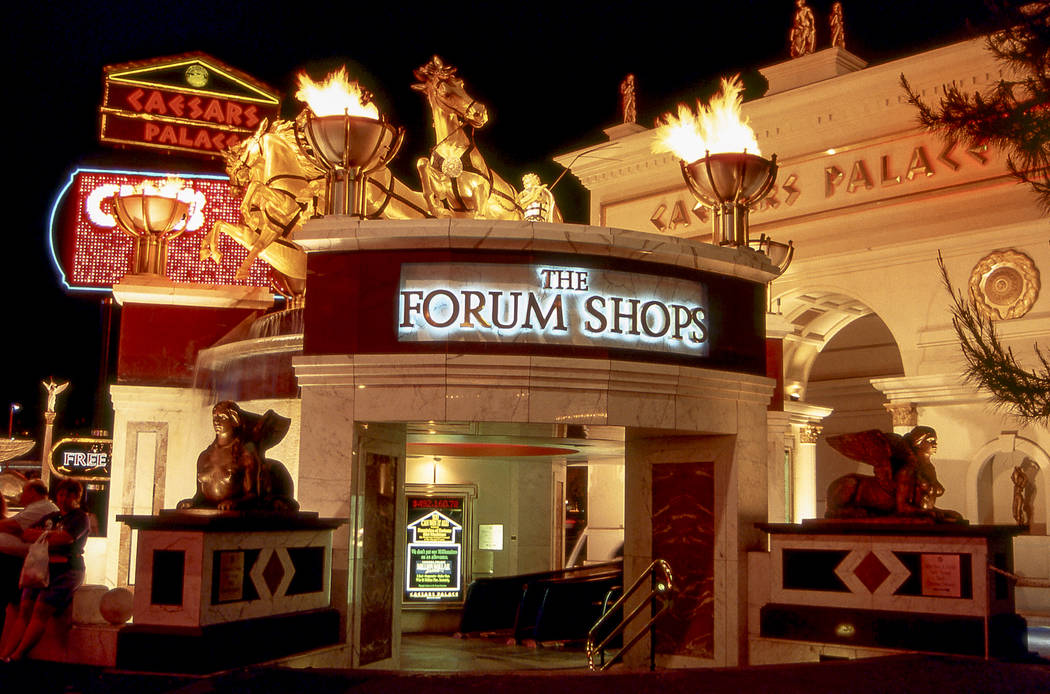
pixel 905 483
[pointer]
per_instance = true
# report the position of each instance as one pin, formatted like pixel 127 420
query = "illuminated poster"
pixel 434 566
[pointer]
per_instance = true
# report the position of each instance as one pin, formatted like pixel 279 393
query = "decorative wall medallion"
pixel 1004 284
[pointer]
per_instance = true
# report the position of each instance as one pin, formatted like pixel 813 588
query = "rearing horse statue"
pixel 282 187
pixel 455 178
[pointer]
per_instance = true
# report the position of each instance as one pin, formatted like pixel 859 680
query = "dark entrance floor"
pixel 488 668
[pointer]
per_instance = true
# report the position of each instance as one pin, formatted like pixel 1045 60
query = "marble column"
pixel 355 470
pixel 158 432
pixel 693 501
pixel 805 473
pixel 45 456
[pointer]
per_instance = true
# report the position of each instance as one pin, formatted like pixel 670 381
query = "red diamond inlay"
pixel 871 572
pixel 273 573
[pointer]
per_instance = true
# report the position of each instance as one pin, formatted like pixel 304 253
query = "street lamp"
pixel 15 407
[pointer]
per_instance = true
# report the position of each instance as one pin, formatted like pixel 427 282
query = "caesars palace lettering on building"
pixel 551 305
pixel 868 170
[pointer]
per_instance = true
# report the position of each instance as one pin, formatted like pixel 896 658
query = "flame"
pixel 335 96
pixel 170 187
pixel 718 126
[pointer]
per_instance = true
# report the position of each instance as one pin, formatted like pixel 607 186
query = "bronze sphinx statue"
pixel 233 473
pixel 905 485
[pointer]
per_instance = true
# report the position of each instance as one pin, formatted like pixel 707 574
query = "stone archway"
pixel 834 345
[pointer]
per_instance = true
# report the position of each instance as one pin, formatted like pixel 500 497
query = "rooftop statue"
pixel 627 100
pixel 456 180
pixel 905 486
pixel 838 26
pixel 803 35
pixel 537 201
pixel 233 473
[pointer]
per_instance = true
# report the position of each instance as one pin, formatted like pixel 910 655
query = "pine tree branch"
pixel 1014 115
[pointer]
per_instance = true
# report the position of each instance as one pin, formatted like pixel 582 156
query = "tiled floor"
pixel 440 653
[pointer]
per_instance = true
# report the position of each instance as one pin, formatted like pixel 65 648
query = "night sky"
pixel 548 71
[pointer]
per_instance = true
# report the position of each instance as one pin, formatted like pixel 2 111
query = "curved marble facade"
pixel 679 414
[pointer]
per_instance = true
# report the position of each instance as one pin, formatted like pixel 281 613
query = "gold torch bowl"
pixel 350 147
pixel 729 183
pixel 150 220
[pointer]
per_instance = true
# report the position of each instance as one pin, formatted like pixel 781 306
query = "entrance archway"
pixel 835 346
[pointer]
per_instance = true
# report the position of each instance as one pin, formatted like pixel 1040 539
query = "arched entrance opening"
pixel 835 345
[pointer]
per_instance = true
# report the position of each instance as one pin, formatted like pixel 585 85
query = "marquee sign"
pixel 433 570
pixel 191 103
pixel 550 304
pixel 85 458
pixel 92 253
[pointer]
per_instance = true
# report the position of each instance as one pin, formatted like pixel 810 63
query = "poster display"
pixel 435 558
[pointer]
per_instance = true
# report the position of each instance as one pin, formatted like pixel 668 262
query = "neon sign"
pixel 551 305
pixel 191 103
pixel 91 252
pixel 86 458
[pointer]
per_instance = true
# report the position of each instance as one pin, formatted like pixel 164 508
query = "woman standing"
pixel 66 539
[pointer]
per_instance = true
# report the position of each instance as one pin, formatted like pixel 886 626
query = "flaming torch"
pixel 151 215
pixel 348 137
pixel 720 160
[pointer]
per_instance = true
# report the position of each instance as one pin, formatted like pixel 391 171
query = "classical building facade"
pixel 858 327
pixel 870 201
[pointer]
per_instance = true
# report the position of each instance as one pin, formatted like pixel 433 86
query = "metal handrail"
pixel 1021 581
pixel 662 590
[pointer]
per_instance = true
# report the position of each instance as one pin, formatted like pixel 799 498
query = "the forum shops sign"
pixel 549 304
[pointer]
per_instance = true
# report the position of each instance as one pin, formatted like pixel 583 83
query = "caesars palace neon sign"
pixel 546 304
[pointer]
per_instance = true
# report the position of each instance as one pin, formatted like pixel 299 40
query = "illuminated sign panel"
pixel 434 566
pixel 83 457
pixel 550 304
pixel 190 103
pixel 92 252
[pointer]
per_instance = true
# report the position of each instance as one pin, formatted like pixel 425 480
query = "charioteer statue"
pixel 233 473
pixel 905 486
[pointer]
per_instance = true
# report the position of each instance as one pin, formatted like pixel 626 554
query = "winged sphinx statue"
pixel 904 486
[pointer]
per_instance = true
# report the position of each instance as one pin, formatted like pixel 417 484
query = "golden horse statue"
pixel 455 178
pixel 282 187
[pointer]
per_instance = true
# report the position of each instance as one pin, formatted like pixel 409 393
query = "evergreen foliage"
pixel 1015 114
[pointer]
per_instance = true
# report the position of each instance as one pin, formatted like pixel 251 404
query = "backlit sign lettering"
pixel 83 457
pixel 551 305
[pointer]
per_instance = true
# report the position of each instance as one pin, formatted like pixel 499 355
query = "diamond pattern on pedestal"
pixel 867 571
pixel 272 572
pixel 871 572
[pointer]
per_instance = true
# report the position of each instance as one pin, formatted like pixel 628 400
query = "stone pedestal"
pixel 217 590
pixel 928 588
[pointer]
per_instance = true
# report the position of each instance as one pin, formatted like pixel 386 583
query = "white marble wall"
pixel 605 511
pixel 154 461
